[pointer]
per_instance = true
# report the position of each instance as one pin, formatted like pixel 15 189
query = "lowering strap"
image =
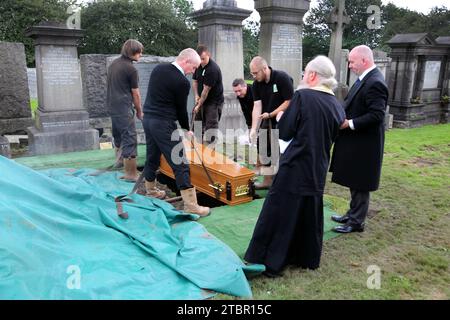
pixel 211 182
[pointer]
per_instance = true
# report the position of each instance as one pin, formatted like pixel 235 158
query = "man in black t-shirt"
pixel 272 93
pixel 122 94
pixel 208 90
pixel 244 94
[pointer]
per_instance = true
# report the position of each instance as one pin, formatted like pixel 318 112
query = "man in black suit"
pixel 358 150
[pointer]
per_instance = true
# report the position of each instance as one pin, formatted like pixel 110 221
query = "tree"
pixel 18 15
pixel 399 20
pixel 250 34
pixel 394 20
pixel 317 32
pixel 438 21
pixel 159 24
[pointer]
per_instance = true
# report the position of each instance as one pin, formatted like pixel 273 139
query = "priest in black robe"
pixel 289 230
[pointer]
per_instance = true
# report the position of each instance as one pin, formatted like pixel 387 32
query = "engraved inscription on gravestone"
pixel 60 68
pixel 59 79
pixel 432 73
pixel 286 41
pixel 228 34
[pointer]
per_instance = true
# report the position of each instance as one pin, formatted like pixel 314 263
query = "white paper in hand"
pixel 283 145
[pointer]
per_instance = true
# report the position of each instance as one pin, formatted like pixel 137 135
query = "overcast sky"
pixel 416 5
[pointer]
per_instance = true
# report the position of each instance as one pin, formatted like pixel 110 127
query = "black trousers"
pixel 162 138
pixel 210 116
pixel 267 143
pixel 359 206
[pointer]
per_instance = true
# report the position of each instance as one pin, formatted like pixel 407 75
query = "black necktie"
pixel 356 84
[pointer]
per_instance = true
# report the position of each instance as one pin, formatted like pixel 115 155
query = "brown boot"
pixel 119 159
pixel 153 191
pixel 131 172
pixel 267 182
pixel 190 203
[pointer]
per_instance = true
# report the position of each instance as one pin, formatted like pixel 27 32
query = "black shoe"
pixel 272 274
pixel 349 228
pixel 340 219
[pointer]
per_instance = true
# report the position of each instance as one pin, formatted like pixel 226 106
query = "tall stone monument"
pixel 337 20
pixel 418 79
pixel 281 34
pixel 62 123
pixel 15 112
pixel 220 29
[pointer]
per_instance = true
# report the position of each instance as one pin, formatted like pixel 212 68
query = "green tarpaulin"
pixel 61 238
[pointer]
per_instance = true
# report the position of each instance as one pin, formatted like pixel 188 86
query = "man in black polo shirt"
pixel 272 93
pixel 208 90
pixel 122 94
pixel 245 96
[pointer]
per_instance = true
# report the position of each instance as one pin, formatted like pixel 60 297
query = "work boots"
pixel 119 159
pixel 131 172
pixel 190 203
pixel 153 191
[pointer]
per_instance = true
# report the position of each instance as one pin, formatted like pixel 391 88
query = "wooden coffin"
pixel 232 183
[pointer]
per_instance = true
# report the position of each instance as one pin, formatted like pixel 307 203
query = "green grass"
pixel 33 106
pixel 408 239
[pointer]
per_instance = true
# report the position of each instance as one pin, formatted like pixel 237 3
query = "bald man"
pixel 272 92
pixel 358 151
pixel 166 104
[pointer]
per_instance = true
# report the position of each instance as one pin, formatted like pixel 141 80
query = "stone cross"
pixel 337 20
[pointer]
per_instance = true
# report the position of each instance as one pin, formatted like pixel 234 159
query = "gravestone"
pixel 418 78
pixel 32 84
pixel 338 20
pixel 220 29
pixel 62 124
pixel 5 149
pixel 281 34
pixel 15 112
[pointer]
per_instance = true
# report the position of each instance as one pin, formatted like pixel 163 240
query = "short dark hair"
pixel 238 82
pixel 131 47
pixel 201 48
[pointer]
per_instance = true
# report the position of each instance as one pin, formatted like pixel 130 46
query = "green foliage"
pixel 18 15
pixel 159 24
pixel 394 20
pixel 33 105
pixel 317 32
pixel 250 34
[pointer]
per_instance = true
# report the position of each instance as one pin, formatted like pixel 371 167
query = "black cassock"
pixel 290 226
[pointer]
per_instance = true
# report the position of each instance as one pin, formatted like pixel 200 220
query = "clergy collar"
pixel 323 89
